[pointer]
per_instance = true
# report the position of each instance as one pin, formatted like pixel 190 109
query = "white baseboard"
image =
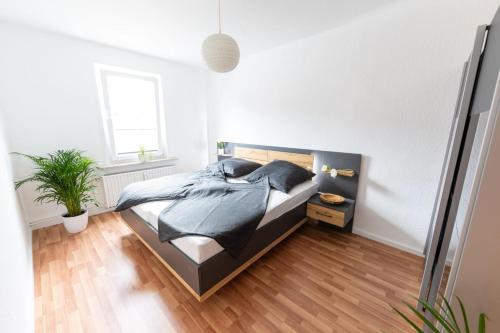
pixel 53 220
pixel 45 222
pixel 394 244
pixel 388 241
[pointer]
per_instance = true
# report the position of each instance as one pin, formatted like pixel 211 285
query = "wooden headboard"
pixel 309 159
pixel 264 156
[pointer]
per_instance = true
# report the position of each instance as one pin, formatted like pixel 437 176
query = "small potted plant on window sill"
pixel 142 154
pixel 65 177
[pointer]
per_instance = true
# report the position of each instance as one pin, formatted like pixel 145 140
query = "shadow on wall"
pixel 364 181
pixel 405 240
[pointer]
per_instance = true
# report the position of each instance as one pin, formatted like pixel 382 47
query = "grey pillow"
pixel 283 175
pixel 237 167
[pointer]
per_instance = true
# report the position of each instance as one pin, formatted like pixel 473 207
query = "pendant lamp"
pixel 220 51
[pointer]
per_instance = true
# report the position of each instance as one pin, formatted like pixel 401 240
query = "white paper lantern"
pixel 221 52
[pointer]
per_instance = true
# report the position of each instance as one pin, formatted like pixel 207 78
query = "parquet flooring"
pixel 317 280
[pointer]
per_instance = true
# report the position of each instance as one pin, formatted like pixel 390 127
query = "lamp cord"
pixel 220 30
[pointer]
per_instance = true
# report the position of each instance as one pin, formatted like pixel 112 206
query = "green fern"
pixel 65 177
pixel 443 317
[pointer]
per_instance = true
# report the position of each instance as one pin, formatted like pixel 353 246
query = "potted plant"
pixel 65 177
pixel 441 316
pixel 220 148
pixel 142 154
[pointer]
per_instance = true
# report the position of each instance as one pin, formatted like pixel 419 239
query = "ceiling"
pixel 175 29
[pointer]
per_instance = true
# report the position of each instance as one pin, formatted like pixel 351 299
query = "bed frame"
pixel 204 279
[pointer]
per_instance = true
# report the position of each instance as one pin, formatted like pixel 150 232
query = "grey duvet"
pixel 206 205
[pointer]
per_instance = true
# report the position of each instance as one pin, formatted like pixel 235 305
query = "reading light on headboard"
pixel 337 172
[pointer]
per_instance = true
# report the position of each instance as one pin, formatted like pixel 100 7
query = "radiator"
pixel 114 184
pixel 158 172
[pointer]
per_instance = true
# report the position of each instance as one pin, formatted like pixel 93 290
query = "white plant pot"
pixel 220 151
pixel 76 224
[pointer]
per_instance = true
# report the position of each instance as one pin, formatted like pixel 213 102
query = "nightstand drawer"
pixel 326 215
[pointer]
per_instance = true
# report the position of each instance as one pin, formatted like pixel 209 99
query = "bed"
pixel 199 262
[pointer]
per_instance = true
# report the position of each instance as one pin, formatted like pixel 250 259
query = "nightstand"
pixel 338 215
pixel 223 157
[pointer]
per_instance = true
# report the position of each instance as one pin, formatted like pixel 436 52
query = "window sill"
pixel 110 169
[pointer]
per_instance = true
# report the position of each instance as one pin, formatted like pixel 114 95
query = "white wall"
pixel 384 86
pixel 50 101
pixel 16 278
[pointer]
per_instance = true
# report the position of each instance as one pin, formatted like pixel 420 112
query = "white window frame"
pixel 101 72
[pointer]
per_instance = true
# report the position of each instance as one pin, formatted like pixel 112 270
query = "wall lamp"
pixel 337 172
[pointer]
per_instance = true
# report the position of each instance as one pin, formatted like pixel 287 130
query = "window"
pixel 132 111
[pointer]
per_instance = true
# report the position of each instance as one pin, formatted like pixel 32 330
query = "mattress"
pixel 201 248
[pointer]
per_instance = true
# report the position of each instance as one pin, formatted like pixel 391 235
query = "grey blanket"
pixel 205 205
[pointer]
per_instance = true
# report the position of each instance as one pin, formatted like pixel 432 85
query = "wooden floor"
pixel 317 280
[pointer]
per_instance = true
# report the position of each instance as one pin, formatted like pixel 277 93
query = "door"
pixel 452 177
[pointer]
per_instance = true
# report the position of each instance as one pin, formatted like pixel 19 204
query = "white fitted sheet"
pixel 200 248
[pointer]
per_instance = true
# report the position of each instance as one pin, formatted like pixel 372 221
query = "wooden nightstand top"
pixel 344 207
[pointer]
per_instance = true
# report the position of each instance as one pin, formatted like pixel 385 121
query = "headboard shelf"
pixel 309 159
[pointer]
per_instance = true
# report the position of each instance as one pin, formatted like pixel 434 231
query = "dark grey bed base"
pixel 202 278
